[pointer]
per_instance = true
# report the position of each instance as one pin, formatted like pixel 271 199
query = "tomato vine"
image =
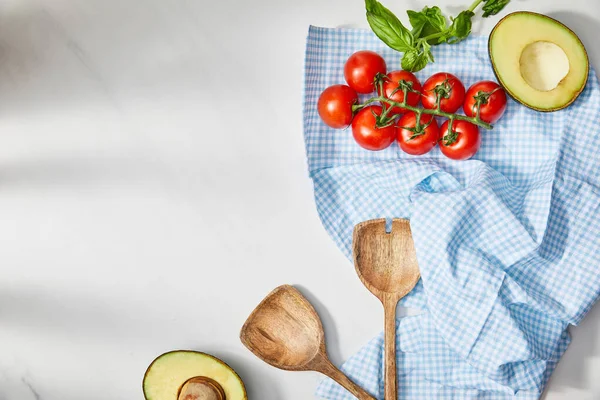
pixel 405 86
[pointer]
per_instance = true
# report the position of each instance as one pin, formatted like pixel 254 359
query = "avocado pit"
pixel 201 388
pixel 544 65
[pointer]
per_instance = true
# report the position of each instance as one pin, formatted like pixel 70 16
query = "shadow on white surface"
pixel 75 170
pixel 42 67
pixel 52 315
pixel 573 371
pixel 331 332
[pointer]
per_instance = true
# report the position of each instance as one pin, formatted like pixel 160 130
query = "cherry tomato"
pixel 391 91
pixel 367 135
pixel 492 98
pixel 421 142
pixel 361 68
pixel 464 142
pixel 451 88
pixel 335 105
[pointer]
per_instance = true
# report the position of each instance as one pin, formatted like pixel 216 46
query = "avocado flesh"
pixel 540 62
pixel 167 374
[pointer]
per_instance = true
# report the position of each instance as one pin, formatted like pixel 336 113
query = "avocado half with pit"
pixel 539 61
pixel 191 375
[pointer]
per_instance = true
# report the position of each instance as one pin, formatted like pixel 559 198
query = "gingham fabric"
pixel 508 243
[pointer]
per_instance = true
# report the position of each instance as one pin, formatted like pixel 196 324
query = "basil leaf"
pixel 436 19
pixel 461 27
pixel 388 27
pixel 414 60
pixel 417 21
pixel 493 7
pixel 428 21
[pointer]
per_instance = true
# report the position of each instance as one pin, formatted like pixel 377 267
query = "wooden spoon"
pixel 201 388
pixel 386 264
pixel 285 331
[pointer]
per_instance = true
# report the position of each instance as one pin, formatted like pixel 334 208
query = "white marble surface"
pixel 153 189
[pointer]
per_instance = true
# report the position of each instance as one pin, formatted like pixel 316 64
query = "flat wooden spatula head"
pixel 386 262
pixel 284 330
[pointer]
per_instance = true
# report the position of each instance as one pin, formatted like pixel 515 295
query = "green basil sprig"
pixel 430 27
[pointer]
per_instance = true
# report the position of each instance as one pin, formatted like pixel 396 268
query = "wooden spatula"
pixel 386 264
pixel 285 331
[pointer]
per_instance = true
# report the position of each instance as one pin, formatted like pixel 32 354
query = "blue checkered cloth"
pixel 508 243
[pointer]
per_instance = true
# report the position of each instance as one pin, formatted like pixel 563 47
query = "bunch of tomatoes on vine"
pixel 394 114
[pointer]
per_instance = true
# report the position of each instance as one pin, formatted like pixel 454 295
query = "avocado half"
pixel 539 61
pixel 169 372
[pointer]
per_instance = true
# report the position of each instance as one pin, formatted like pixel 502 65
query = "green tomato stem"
pixel 357 107
pixel 419 110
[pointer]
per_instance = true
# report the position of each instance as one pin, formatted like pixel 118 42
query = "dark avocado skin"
pixel 508 91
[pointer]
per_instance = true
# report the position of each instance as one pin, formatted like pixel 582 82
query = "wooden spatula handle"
pixel 389 309
pixel 334 373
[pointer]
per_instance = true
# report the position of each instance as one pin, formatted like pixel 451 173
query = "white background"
pixel 153 189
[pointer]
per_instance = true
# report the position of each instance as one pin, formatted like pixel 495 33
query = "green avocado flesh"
pixel 539 61
pixel 167 374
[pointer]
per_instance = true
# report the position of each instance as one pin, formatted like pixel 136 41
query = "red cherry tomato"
pixel 492 98
pixel 463 143
pixel 335 105
pixel 361 68
pixel 369 136
pixel 391 91
pixel 422 141
pixel 452 92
